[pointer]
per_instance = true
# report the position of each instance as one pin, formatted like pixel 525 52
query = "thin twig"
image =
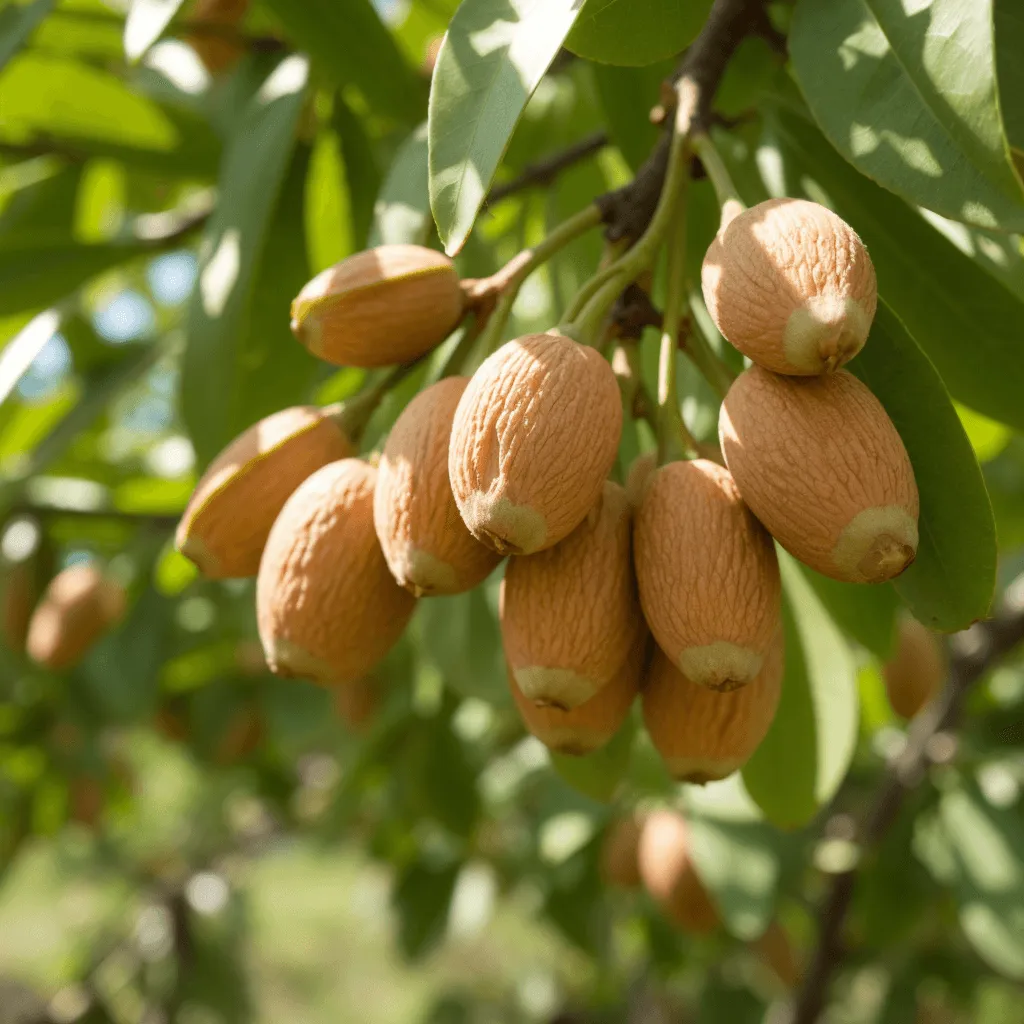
pixel 45 510
pixel 544 171
pixel 974 652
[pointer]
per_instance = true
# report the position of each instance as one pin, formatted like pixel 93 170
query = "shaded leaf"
pixel 626 94
pixel 492 58
pixel 952 581
pixel 868 614
pixel 911 100
pixel 17 22
pixel 401 212
pixel 600 774
pixel 421 898
pixel 362 175
pixel 1009 25
pixel 145 23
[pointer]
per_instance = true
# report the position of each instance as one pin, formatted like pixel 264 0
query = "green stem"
pixel 706 359
pixel 457 357
pixel 519 269
pixel 725 188
pixel 354 413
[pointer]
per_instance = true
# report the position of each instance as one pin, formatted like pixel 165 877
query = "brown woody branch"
pixel 930 740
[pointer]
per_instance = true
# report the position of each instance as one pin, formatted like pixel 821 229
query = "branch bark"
pixel 930 739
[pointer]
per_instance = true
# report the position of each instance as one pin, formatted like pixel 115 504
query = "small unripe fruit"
pixel 592 724
pixel 327 607
pixel 534 436
pixel 791 286
pixel 387 305
pixel 775 948
pixel 426 543
pixel 356 702
pixel 822 466
pixel 917 670
pixel 669 876
pixel 570 614
pixel 619 865
pixel 78 607
pixel 217 50
pixel 708 574
pixel 237 499
pixel 702 735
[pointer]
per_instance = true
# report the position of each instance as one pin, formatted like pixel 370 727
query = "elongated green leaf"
pixel 422 896
pixel 17 22
pixel 1009 18
pixel 401 212
pixel 351 46
pixel 614 32
pixel 985 843
pixel 868 614
pixel 970 326
pixel 362 175
pixel 492 58
pixel 145 23
pixel 808 749
pixel 254 170
pixel 952 580
pixel 43 208
pixel 625 93
pixel 911 99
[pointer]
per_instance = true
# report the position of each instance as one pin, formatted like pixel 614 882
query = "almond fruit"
pixel 570 614
pixel 619 865
pixel 592 724
pixel 534 436
pixel 428 548
pixel 387 305
pixel 78 607
pixel 821 465
pixel 791 286
pixel 357 702
pixel 213 42
pixel 237 499
pixel 668 873
pixel 917 670
pixel 708 574
pixel 327 607
pixel 702 735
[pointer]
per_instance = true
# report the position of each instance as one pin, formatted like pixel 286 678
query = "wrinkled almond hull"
pixel 426 543
pixel 533 439
pixel 570 614
pixel 707 573
pixel 327 607
pixel 822 466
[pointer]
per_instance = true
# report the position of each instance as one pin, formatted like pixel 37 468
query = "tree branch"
pixel 43 510
pixel 628 210
pixel 929 740
pixel 543 172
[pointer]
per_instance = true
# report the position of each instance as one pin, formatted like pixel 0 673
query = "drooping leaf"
pixel 362 175
pixel 868 614
pixel 145 23
pixel 350 46
pixel 808 749
pixel 421 898
pixel 401 212
pixel 614 32
pixel 254 170
pixel 988 879
pixel 625 94
pixel 17 22
pixel 952 581
pixel 492 58
pixel 911 100
pixel 968 324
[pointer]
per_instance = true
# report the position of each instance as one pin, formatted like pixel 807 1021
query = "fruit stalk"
pixel 707 360
pixel 353 414
pixel 725 188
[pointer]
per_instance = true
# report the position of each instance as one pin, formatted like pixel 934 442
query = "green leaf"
pixel 911 100
pixel 145 23
pixel 254 170
pixel 618 32
pixel 599 775
pixel 362 175
pixel 350 46
pixel 43 208
pixel 808 749
pixel 952 581
pixel 17 22
pixel 421 897
pixel 1009 19
pixel 967 322
pixel 401 212
pixel 868 614
pixel 492 58
pixel 625 94
pixel 299 714
pixel 985 842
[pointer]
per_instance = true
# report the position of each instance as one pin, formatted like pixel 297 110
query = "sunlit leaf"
pixel 401 212
pixel 145 23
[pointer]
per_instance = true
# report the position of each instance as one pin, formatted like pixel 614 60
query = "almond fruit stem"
pixel 707 360
pixel 725 188
pixel 354 413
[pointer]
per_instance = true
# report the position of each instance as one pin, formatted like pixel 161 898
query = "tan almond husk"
pixel 357 702
pixel 570 614
pixel 327 607
pixel 669 876
pixel 78 607
pixel 534 436
pixel 619 849
pixel 386 305
pixel 791 285
pixel 426 543
pixel 820 463
pixel 702 735
pixel 228 518
pixel 708 574
pixel 917 670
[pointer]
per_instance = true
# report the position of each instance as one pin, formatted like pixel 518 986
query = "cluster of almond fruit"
pixel 515 461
